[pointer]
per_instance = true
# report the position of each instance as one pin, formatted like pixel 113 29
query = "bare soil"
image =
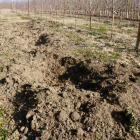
pixel 50 93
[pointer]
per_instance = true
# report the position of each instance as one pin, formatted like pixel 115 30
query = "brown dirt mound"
pixel 49 94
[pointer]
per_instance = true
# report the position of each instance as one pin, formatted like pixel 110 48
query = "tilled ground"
pixel 48 94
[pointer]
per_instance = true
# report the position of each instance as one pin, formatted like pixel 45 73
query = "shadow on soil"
pixel 84 76
pixel 43 39
pixel 121 118
pixel 24 102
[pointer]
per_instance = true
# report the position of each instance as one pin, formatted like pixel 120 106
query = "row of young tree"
pixel 121 9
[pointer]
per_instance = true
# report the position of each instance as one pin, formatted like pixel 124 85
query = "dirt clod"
pixel 80 132
pixel 62 116
pixel 75 116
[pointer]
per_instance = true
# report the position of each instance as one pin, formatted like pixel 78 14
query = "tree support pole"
pixel 138 38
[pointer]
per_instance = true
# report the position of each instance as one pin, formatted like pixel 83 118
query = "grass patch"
pixel 3 54
pixel 55 27
pixel 129 30
pixel 86 53
pixel 114 56
pixel 134 36
pixel 118 50
pixel 95 33
pixel 70 34
pixel 85 26
pixel 4 20
pixel 26 18
pixel 105 57
pixel 103 37
pixel 79 40
pixel 109 45
pixel 106 22
pixel 101 30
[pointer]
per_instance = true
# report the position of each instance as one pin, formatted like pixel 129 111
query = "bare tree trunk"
pixel 56 11
pixel 35 7
pixel 121 12
pixel 127 10
pixel 112 19
pixel 90 17
pixel 138 38
pixel 64 13
pixel 28 7
pixel 107 12
pixel 41 8
pixel 75 21
pixel 16 6
pixel 75 15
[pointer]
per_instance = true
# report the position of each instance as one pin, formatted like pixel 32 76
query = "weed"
pixel 15 107
pixel 127 47
pixel 14 48
pixel 134 119
pixel 1 69
pixel 2 111
pixel 138 81
pixel 95 81
pixel 34 95
pixel 103 57
pixel 133 25
pixel 3 133
pixel 86 68
pixel 120 26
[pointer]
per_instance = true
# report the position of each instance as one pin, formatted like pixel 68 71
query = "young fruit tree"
pixel 28 7
pixel 138 38
pixel 112 19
